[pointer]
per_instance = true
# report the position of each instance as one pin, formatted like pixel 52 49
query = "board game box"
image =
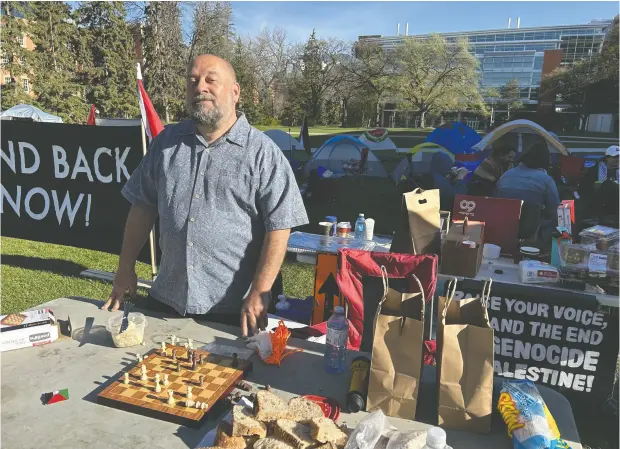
pixel 219 377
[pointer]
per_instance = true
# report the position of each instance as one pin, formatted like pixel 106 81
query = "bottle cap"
pixel 339 309
pixel 436 437
pixel 361 215
pixel 331 219
pixel 355 403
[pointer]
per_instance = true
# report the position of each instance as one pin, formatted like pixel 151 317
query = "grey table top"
pixel 85 369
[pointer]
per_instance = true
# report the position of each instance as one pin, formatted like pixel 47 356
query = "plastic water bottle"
pixel 360 228
pixel 282 303
pixel 436 439
pixel 336 341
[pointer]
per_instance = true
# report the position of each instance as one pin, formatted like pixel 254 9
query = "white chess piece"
pixel 189 392
pixel 126 378
pixel 157 378
pixel 157 386
pixel 171 400
pixel 189 403
pixel 174 340
pixel 163 347
pixel 166 380
pixel 204 406
pixel 186 345
pixel 190 343
pixel 197 404
pixel 139 357
pixel 144 376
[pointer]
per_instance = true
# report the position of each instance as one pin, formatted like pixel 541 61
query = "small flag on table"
pixel 56 396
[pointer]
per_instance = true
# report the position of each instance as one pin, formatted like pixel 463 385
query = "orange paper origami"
pixel 278 345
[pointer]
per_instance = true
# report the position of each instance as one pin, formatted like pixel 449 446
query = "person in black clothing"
pixel 599 186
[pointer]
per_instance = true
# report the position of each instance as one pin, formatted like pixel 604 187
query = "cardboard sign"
pixel 501 217
pixel 326 292
pixel 553 337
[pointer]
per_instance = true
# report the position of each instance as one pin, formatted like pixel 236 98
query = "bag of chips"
pixel 530 424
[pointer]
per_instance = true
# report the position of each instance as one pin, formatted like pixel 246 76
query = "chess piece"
pixel 186 345
pixel 173 339
pixel 189 403
pixel 174 354
pixel 157 377
pixel 139 357
pixel 190 343
pixel 157 386
pixel 189 392
pixel 190 356
pixel 126 378
pixel 163 348
pixel 204 406
pixel 166 382
pixel 144 376
pixel 178 367
pixel 197 404
pixel 201 382
pixel 193 362
pixel 171 400
pixel 200 361
pixel 235 360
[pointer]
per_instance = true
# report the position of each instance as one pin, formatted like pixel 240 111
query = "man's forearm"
pixel 271 258
pixel 137 228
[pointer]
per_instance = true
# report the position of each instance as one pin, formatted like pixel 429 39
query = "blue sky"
pixel 347 20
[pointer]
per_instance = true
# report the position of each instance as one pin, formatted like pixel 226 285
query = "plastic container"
pixel 370 229
pixel 436 439
pixel 491 251
pixel 360 227
pixel 344 229
pixel 133 336
pixel 603 237
pixel 575 256
pixel 336 342
pixel 282 304
pixel 334 221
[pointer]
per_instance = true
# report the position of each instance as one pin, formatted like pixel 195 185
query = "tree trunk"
pixel 582 125
pixel 343 113
pixel 422 117
pixel 378 113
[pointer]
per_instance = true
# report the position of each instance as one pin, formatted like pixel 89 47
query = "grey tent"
pixel 29 112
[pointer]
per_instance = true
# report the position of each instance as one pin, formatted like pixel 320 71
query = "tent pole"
pixel 152 247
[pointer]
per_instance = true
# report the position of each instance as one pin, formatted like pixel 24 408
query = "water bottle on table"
pixel 336 341
pixel 436 439
pixel 360 228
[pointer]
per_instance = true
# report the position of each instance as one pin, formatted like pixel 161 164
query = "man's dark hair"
pixel 537 156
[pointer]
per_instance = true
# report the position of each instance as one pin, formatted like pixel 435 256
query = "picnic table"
pixel 87 366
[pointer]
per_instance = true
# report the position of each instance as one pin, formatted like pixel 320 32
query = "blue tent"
pixel 456 137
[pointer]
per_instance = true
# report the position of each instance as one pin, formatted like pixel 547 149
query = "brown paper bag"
pixel 457 257
pixel 396 365
pixel 419 231
pixel 465 362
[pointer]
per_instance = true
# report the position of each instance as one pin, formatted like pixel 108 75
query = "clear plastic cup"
pixel 133 336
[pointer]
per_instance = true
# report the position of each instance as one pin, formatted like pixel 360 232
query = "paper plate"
pixel 330 407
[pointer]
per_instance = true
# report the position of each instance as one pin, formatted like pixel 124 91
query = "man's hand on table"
pixel 254 313
pixel 125 282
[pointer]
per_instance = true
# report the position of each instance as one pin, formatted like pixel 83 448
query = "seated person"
pixel 446 179
pixel 485 177
pixel 530 183
pixel 599 186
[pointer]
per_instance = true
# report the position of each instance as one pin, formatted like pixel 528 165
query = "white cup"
pixel 491 251
pixel 370 229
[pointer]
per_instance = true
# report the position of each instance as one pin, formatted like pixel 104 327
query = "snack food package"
pixel 530 424
pixel 535 272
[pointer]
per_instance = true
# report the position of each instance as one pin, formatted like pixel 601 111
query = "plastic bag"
pixel 407 440
pixel 530 424
pixel 367 433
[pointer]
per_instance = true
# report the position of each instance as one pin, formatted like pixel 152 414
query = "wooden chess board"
pixel 220 378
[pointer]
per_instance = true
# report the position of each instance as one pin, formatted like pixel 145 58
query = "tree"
pixel 245 67
pixel 212 30
pixel 371 73
pixel 107 55
pixel 16 59
pixel 164 56
pixel 510 96
pixel 55 35
pixel 492 97
pixel 436 76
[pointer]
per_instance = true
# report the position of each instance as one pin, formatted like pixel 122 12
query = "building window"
pixel 5 58
pixel 21 40
pixel 7 80
pixel 26 85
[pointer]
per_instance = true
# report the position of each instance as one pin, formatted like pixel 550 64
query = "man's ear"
pixel 236 92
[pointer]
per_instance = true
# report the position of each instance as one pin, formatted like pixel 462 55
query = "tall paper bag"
pixel 465 362
pixel 396 365
pixel 419 230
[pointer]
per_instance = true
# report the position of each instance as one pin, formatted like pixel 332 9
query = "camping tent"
pixel 283 140
pixel 342 149
pixel 29 112
pixel 386 144
pixel 421 156
pixel 456 137
pixel 521 134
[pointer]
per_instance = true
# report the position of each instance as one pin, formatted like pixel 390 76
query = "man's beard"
pixel 202 115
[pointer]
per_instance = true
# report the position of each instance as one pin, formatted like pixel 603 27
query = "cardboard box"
pixel 26 329
pixel 566 215
pixel 461 252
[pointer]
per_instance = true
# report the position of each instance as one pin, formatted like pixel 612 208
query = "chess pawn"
pixel 171 400
pixel 144 376
pixel 126 378
pixel 189 403
pixel 166 382
pixel 189 392
pixel 201 382
pixel 174 354
pixel 178 367
pixel 157 386
pixel 197 404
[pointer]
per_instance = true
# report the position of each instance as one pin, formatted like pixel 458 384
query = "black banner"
pixel 62 183
pixel 553 337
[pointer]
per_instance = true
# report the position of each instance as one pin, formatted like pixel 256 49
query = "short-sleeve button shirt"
pixel 215 203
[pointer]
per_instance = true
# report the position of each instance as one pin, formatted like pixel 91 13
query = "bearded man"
pixel 226 198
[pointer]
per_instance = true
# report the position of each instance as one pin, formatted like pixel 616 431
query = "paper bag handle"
pixel 486 297
pixel 465 223
pixel 450 295
pixel 384 278
pixel 403 318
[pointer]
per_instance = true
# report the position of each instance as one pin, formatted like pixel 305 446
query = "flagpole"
pixel 152 246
